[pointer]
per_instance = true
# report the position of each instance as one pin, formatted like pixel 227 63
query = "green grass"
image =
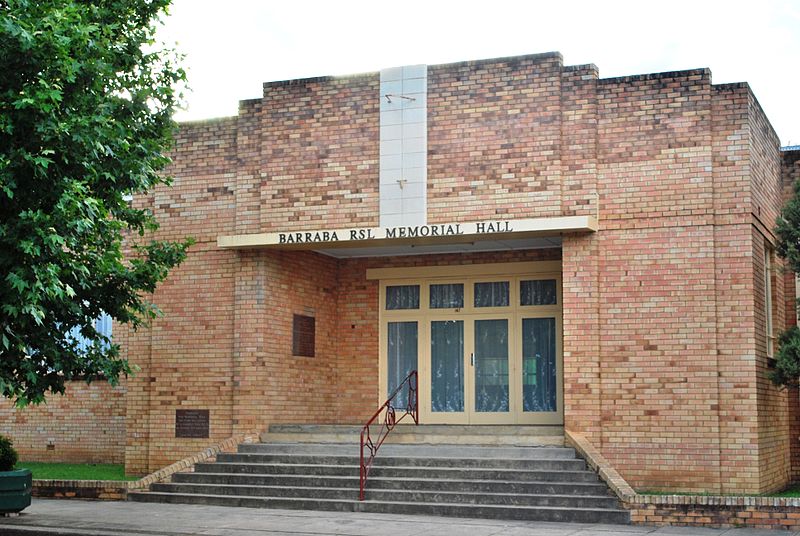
pixel 688 493
pixel 793 491
pixel 76 471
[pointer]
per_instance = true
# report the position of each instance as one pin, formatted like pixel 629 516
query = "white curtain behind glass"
pixel 447 365
pixel 402 358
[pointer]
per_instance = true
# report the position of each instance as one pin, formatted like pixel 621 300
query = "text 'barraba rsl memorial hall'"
pixel 557 255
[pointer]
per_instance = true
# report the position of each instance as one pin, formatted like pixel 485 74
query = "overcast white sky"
pixel 232 46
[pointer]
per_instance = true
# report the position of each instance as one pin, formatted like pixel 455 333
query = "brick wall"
pixel 185 356
pixel 661 253
pixel 774 415
pixel 664 367
pixel 270 384
pixel 733 267
pixel 494 133
pixel 319 153
pixel 86 425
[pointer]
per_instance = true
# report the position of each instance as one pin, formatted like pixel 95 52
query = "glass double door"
pixel 490 369
pixel 487 347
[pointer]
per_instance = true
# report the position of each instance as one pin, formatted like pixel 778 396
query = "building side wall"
pixel 774 416
pixel 659 400
pixel 774 412
pixel 790 173
pixel 85 425
pixel 765 167
pixel 185 355
pixel 733 266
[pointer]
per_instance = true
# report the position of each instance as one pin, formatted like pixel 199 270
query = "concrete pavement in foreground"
pixel 97 518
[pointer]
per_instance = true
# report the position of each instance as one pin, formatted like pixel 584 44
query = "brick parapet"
pixel 494 139
pixel 765 168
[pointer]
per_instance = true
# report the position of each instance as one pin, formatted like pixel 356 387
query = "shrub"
pixel 8 455
pixel 787 359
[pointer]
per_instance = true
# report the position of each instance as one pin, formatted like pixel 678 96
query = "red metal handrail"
pixel 388 422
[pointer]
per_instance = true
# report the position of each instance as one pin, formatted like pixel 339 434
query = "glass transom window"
pixel 402 297
pixel 493 294
pixel 447 296
pixel 538 292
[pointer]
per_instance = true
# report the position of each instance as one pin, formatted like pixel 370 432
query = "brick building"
pixel 546 247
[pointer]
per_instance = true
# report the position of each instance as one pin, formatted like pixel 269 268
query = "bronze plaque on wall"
pixel 191 423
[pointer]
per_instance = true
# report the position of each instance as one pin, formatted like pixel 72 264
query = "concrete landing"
pixel 433 434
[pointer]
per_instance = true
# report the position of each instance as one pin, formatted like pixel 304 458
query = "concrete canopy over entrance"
pixel 506 231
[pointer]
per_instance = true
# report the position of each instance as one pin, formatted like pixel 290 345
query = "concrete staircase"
pixel 486 472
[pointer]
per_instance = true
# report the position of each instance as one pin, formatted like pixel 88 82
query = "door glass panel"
pixel 447 296
pixel 447 365
pixel 538 364
pixel 402 357
pixel 491 294
pixel 537 292
pixel 491 365
pixel 402 297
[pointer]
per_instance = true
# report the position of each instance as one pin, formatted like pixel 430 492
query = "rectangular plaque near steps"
pixel 191 423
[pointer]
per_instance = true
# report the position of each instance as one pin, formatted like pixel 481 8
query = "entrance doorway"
pixel 487 345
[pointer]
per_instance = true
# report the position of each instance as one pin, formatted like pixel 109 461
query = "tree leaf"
pixel 85 118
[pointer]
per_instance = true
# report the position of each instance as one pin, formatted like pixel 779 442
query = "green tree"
pixel 787 229
pixel 86 104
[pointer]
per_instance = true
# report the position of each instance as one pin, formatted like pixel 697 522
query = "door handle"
pixel 472 359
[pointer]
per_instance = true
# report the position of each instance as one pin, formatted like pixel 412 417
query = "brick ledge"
pixel 118 489
pixel 692 510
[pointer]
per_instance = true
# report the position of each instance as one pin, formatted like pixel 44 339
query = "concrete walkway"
pixel 96 518
pixel 90 518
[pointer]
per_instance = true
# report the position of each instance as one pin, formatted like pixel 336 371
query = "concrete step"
pixel 425 484
pixel 442 450
pixel 405 495
pixel 491 511
pixel 412 472
pixel 394 461
pixel 504 472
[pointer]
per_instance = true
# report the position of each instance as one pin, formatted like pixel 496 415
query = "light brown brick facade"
pixel 87 424
pixel 664 329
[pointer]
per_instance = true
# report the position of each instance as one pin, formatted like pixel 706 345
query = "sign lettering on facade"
pixel 413 231
pixel 456 232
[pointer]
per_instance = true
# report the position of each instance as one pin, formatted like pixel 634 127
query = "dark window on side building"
pixel 303 330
